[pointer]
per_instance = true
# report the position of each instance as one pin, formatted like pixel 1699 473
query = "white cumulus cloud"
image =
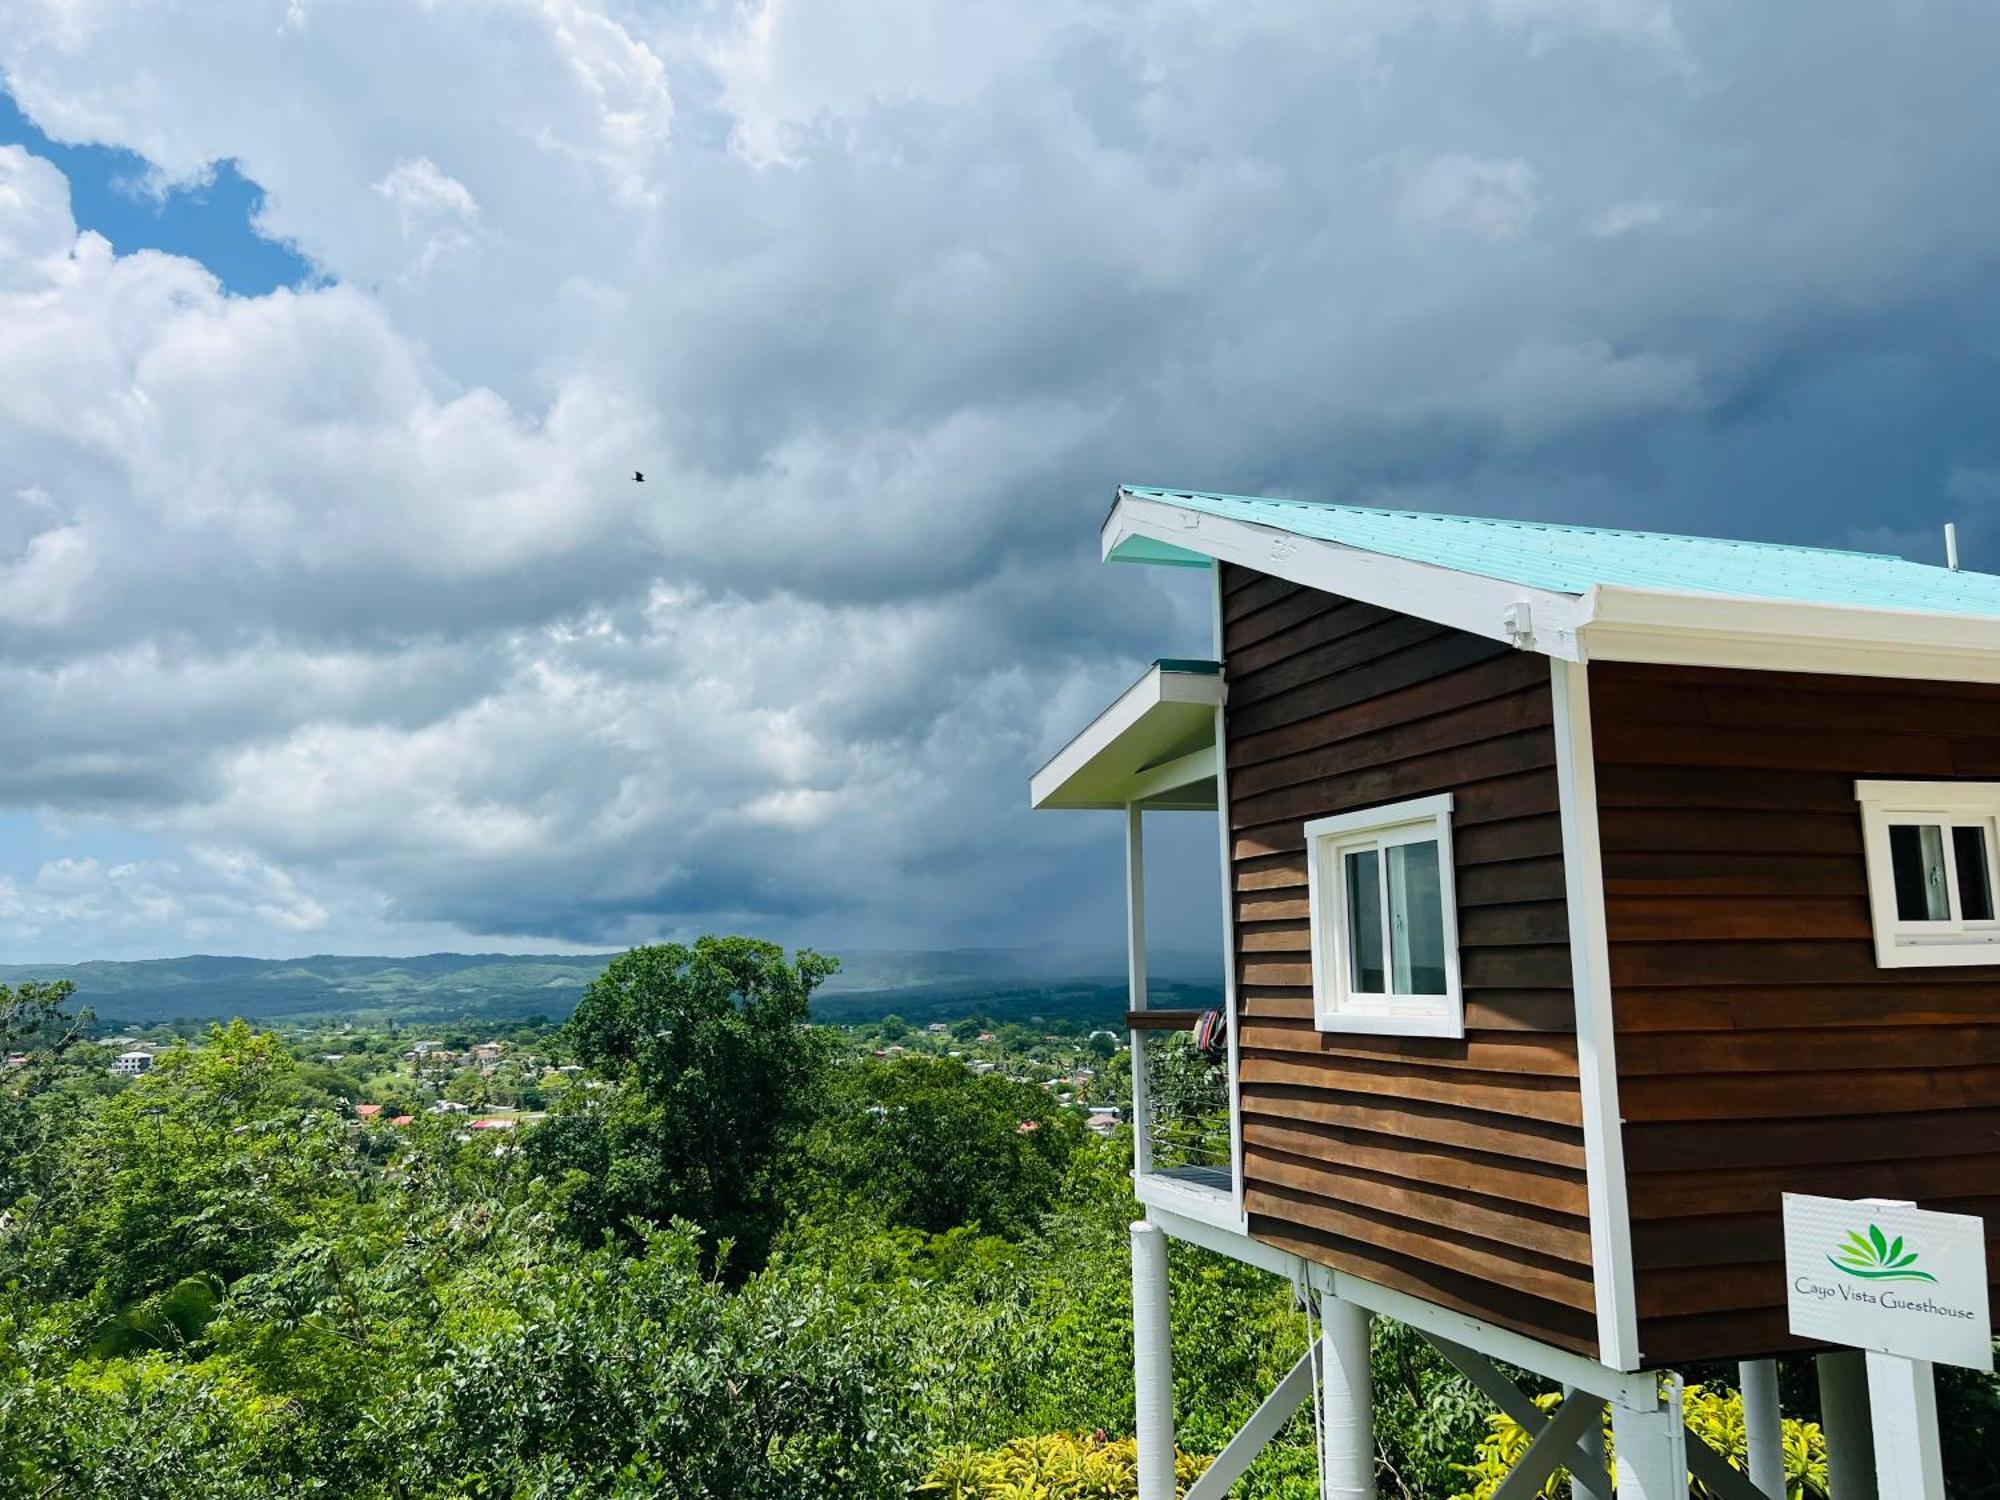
pixel 343 597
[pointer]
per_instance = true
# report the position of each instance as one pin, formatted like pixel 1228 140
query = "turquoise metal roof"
pixel 1572 559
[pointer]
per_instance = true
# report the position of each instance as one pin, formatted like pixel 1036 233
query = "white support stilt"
pixel 1652 1447
pixel 1152 1363
pixel 1582 1484
pixel 1843 1417
pixel 1763 1426
pixel 1135 983
pixel 1347 1400
pixel 1902 1394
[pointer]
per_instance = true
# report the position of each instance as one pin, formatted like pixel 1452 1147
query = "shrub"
pixel 1716 1417
pixel 1058 1466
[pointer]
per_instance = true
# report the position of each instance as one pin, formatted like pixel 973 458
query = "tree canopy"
pixel 712 1075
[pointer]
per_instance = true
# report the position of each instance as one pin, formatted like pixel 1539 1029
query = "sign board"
pixel 1889 1277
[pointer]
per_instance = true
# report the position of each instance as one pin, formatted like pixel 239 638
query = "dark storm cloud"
pixel 885 305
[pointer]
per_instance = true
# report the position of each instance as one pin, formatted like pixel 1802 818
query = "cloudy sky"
pixel 330 334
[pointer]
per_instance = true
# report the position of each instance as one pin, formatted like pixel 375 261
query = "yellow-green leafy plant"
pixel 1054 1466
pixel 1716 1417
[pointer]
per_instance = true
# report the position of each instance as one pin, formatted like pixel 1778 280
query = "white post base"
pixel 1152 1363
pixel 1763 1426
pixel 1347 1400
pixel 1652 1447
pixel 1843 1417
pixel 1909 1461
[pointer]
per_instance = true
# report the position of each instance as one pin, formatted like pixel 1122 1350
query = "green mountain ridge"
pixel 919 984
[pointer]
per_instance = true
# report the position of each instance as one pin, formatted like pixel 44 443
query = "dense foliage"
pixel 707 1251
pixel 714 1074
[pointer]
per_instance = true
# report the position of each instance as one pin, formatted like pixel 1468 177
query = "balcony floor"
pixel 1204 1193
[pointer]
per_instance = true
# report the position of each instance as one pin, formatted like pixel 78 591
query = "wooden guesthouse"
pixel 1583 892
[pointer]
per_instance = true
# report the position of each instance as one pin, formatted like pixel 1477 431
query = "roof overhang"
pixel 1138 527
pixel 1773 635
pixel 1155 746
pixel 1609 623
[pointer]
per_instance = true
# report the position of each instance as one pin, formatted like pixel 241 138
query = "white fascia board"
pixel 1464 601
pixel 1775 635
pixel 1157 687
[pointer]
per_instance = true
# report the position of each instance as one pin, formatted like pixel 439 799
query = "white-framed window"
pixel 1385 920
pixel 1930 847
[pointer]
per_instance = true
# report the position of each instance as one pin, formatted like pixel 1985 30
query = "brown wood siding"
pixel 1759 1047
pixel 1449 1169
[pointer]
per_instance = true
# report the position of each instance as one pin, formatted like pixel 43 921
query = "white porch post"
pixel 1152 1363
pixel 1347 1400
pixel 1902 1393
pixel 1135 981
pixel 1843 1417
pixel 1763 1426
pixel 1652 1447
pixel 1592 1444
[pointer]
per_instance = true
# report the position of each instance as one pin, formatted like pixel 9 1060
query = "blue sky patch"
pixel 212 223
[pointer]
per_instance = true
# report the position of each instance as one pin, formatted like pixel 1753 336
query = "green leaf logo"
pixel 1876 1257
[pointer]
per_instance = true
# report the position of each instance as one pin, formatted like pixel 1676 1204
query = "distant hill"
pixel 919 985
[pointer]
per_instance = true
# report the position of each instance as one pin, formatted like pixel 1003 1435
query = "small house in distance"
pixel 1584 891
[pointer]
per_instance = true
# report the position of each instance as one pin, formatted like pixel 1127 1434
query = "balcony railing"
pixel 1181 1109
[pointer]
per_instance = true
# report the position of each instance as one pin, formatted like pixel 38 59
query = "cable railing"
pixel 1185 1118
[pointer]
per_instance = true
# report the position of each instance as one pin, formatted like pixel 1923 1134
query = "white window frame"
pixel 1949 943
pixel 1336 1006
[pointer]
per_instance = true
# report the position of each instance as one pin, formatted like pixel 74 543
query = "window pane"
pixel 1416 919
pixel 1916 853
pixel 1975 873
pixel 1364 922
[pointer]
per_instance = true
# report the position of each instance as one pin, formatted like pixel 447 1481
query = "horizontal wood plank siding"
pixel 1759 1047
pixel 1449 1169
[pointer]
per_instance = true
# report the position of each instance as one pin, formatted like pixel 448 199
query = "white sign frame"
pixel 1889 1277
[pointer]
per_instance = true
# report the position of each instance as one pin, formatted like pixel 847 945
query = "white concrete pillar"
pixel 1347 1400
pixel 1843 1417
pixel 1763 1426
pixel 1592 1444
pixel 1152 1363
pixel 1902 1394
pixel 1652 1447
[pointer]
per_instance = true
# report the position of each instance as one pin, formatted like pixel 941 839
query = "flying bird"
pixel 637 477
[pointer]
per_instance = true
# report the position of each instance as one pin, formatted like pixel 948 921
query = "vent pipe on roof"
pixel 1951 545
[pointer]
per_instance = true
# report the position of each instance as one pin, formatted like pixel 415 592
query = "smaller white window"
pixel 1385 920
pixel 1930 848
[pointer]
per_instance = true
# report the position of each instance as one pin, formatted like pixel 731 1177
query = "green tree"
pixel 466 1087
pixel 40 1100
pixel 204 1166
pixel 34 1018
pixel 716 1074
pixel 925 1142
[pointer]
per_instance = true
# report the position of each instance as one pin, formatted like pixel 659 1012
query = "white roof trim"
pixel 1157 740
pixel 1465 601
pixel 1718 630
pixel 1609 623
